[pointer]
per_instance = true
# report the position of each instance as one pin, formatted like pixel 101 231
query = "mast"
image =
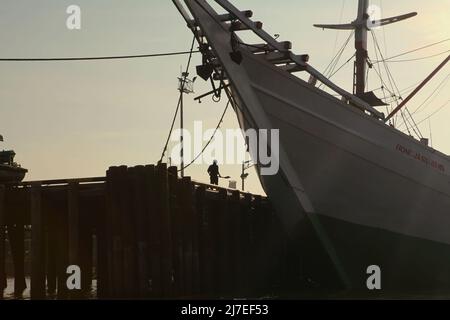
pixel 361 26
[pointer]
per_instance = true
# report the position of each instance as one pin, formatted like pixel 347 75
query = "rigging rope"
pixel 211 139
pixel 153 55
pixel 434 113
pixel 411 51
pixel 332 65
pixel 440 86
pixel 422 58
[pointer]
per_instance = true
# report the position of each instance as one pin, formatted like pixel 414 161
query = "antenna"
pixel 185 86
pixel 362 25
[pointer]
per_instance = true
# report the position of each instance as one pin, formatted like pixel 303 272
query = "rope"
pixel 211 139
pixel 153 55
pixel 422 58
pixel 411 51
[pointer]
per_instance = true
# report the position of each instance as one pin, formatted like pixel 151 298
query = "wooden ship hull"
pixel 356 191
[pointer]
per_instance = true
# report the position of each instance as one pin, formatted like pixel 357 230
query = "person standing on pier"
pixel 214 174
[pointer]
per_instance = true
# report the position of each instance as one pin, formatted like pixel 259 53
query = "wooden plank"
pixel 16 235
pixel 166 232
pixel 154 234
pixel 142 275
pixel 235 245
pixel 203 259
pixel 74 223
pixel 222 248
pixel 187 223
pixel 245 238
pixel 62 235
pixel 128 221
pixel 102 235
pixel 3 282
pixel 73 216
pixel 37 245
pixel 63 181
pixel 117 220
pixel 88 210
pixel 52 252
pixel 195 233
pixel 176 231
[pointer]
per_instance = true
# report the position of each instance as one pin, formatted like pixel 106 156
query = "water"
pixel 9 291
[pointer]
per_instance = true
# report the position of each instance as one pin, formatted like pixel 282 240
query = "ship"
pixel 10 171
pixel 356 193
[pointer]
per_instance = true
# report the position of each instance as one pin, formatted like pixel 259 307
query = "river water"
pixel 9 292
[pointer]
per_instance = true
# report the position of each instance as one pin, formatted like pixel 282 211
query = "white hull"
pixel 350 164
pixel 336 161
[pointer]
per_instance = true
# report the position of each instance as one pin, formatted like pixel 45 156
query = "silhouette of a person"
pixel 214 174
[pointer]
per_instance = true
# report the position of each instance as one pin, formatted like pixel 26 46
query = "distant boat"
pixel 10 172
pixel 372 194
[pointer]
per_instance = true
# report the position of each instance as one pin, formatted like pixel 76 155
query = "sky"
pixel 75 119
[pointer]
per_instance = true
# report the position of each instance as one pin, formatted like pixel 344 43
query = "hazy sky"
pixel 74 119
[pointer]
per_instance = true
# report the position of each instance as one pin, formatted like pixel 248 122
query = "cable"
pixel 153 55
pixel 343 65
pixel 211 139
pixel 422 58
pixel 438 110
pixel 411 51
pixel 332 65
pixel 179 100
pixel 433 94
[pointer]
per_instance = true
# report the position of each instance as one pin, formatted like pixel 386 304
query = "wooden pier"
pixel 140 233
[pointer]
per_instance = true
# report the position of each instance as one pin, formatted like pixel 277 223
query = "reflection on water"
pixel 9 291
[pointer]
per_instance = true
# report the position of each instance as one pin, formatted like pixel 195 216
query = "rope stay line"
pixel 152 55
pixel 210 140
pixel 411 51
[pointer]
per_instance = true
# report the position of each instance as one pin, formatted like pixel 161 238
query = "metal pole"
pixel 182 127
pixel 243 176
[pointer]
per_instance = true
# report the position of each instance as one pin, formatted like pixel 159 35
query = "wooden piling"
pixel 222 248
pixel 235 245
pixel 3 282
pixel 175 205
pixel 52 250
pixel 158 236
pixel 16 235
pixel 88 210
pixel 187 233
pixel 62 245
pixel 128 232
pixel 166 231
pixel 141 221
pixel 74 223
pixel 203 245
pixel 37 244
pixel 154 280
